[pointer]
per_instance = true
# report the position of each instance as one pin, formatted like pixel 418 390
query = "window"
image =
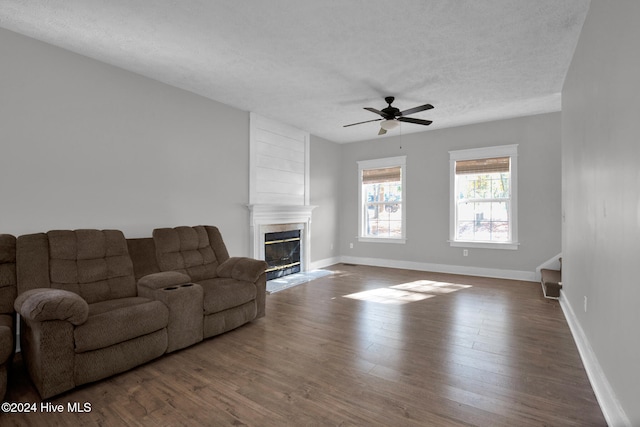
pixel 381 195
pixel 484 197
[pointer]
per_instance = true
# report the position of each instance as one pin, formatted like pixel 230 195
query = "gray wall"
pixel 600 194
pixel 84 144
pixel 427 194
pixel 325 190
pixel 87 145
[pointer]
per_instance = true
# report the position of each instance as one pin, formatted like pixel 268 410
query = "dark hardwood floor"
pixel 365 346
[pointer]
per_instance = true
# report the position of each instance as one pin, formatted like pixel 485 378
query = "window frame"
pixel 510 151
pixel 387 162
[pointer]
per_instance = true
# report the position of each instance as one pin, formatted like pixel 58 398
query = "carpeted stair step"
pixel 551 283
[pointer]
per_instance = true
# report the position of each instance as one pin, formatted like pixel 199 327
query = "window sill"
pixel 484 245
pixel 381 240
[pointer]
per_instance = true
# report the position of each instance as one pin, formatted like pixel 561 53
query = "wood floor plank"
pixel 364 346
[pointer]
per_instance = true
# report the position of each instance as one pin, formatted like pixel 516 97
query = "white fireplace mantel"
pixel 268 218
pixel 280 214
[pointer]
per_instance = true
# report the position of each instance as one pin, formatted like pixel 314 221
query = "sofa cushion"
pixel 94 264
pixel 7 272
pixel 187 250
pixel 7 248
pixel 114 321
pixel 6 337
pixel 8 289
pixel 221 294
pixel 143 254
pixel 196 251
pixel 6 320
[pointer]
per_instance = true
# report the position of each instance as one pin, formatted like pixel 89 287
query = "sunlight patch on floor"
pixel 431 287
pixel 407 292
pixel 389 296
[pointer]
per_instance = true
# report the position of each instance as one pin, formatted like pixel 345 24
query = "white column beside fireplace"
pixel 275 218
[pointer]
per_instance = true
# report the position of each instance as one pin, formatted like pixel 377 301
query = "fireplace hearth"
pixel 282 253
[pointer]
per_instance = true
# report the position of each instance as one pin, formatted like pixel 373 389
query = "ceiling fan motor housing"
pixel 391 112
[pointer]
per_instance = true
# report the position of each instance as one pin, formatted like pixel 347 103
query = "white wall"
pixel 601 201
pixel 87 145
pixel 427 197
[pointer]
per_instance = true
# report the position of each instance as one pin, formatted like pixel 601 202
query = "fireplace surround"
pixel 281 218
pixel 278 184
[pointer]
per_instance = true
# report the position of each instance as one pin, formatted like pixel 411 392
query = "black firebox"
pixel 282 253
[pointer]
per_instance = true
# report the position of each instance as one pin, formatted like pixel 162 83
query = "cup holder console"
pixel 173 288
pixel 185 304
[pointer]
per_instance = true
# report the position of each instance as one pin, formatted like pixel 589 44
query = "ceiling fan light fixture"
pixel 389 124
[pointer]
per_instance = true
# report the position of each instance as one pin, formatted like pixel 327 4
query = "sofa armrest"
pixel 241 268
pixel 42 304
pixel 162 280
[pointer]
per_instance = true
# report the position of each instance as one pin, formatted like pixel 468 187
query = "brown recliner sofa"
pixel 93 304
pixel 7 315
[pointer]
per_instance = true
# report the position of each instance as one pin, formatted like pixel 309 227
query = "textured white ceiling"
pixel 315 64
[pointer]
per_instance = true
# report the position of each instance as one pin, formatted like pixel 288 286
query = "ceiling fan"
pixel 391 116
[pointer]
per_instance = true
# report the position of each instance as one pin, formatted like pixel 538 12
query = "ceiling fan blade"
pixel 382 131
pixel 378 112
pixel 416 121
pixel 416 109
pixel 359 123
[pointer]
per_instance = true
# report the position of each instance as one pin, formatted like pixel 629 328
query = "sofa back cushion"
pixel 94 264
pixel 143 255
pixel 7 273
pixel 196 251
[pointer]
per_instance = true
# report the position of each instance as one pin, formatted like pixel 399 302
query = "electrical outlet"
pixel 465 252
pixel 585 303
pixel 350 245
pixel 332 246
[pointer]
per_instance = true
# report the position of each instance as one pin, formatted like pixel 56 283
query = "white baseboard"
pixel 443 268
pixel 315 265
pixel 609 403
